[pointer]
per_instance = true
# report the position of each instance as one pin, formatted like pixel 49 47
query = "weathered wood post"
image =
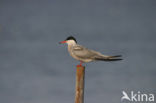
pixel 79 88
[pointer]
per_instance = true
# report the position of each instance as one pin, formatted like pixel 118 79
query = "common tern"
pixel 85 55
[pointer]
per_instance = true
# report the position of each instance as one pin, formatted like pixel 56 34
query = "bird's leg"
pixel 80 65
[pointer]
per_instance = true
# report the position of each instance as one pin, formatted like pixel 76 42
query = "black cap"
pixel 71 38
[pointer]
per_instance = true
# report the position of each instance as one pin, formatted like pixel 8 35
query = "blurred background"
pixel 34 68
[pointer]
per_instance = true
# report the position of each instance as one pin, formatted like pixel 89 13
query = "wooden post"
pixel 79 89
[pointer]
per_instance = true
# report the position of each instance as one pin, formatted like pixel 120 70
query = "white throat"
pixel 70 43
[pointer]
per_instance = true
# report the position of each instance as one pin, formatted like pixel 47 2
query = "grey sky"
pixel 34 68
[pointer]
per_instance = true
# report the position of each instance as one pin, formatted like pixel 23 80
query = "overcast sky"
pixel 34 68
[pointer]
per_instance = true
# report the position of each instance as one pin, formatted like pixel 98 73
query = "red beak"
pixel 62 42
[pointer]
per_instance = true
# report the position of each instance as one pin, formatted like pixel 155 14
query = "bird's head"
pixel 69 40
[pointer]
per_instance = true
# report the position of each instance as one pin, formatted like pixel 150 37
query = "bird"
pixel 85 55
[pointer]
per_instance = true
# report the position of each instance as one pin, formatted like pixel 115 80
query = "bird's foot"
pixel 79 65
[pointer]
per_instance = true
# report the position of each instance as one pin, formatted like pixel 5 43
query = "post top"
pixel 80 66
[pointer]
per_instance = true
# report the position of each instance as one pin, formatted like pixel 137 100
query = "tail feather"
pixel 109 58
pixel 104 59
pixel 115 56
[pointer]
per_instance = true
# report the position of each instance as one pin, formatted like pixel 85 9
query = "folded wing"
pixel 86 53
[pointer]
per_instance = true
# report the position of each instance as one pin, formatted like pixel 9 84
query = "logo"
pixel 137 96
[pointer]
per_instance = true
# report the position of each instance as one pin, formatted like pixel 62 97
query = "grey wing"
pixel 85 53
